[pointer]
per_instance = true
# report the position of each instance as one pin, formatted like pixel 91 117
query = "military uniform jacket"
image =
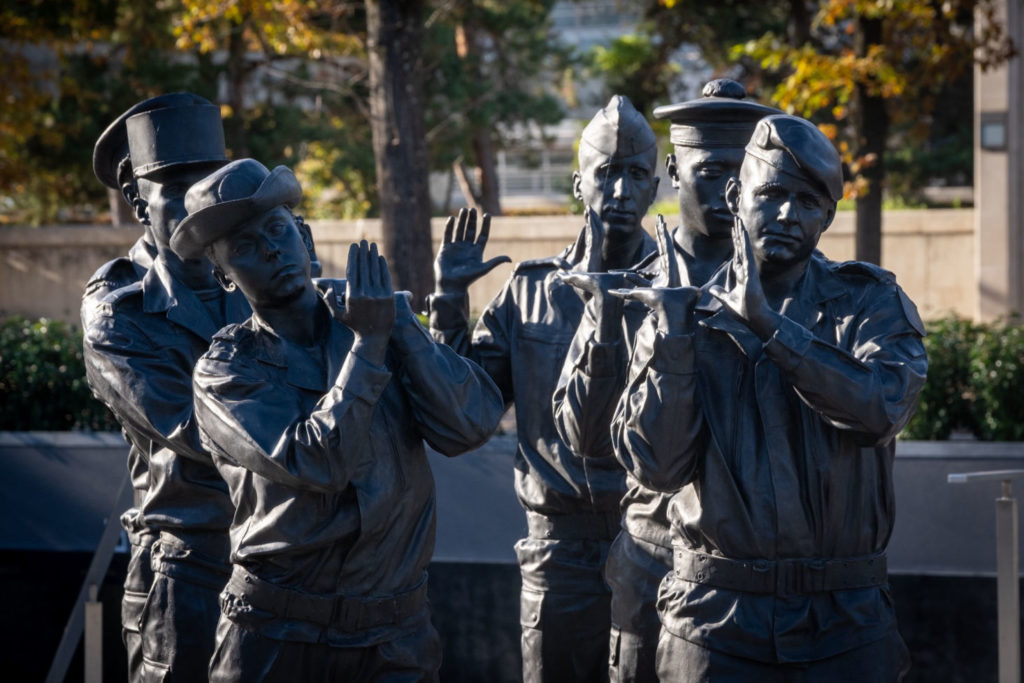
pixel 592 379
pixel 108 278
pixel 139 352
pixel 323 454
pixel 521 340
pixel 778 450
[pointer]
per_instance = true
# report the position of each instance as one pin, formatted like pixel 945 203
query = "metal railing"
pixel 1007 568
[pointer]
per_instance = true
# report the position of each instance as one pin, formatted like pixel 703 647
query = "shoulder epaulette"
pixel 863 268
pixel 228 341
pixel 112 275
pixel 124 294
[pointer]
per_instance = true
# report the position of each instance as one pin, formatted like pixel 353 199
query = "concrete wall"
pixel 43 270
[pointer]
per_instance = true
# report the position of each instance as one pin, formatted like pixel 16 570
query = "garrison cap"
pixel 161 132
pixel 721 117
pixel 619 130
pixel 228 197
pixel 796 146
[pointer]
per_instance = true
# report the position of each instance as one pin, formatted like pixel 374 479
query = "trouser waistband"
pixel 780 577
pixel 343 613
pixel 595 525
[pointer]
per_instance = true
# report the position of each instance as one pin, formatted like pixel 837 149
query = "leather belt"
pixel 597 525
pixel 343 613
pixel 780 577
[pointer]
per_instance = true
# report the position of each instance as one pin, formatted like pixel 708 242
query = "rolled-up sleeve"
pixel 593 376
pixel 658 431
pixel 250 420
pixel 455 403
pixel 147 384
pixel 870 383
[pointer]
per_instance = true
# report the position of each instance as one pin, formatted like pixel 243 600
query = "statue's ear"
pixel 732 194
pixel 222 279
pixel 672 169
pixel 130 190
pixel 577 191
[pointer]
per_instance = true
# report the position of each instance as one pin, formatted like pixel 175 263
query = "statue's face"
pixel 784 215
pixel 700 177
pixel 620 189
pixel 266 258
pixel 164 194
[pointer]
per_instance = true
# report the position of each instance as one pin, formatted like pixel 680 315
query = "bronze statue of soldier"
pixel 521 339
pixel 768 401
pixel 315 410
pixel 708 134
pixel 146 319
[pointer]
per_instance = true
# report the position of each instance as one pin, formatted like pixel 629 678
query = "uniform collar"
pixel 816 288
pixel 303 369
pixel 163 293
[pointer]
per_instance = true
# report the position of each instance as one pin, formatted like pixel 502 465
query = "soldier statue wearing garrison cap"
pixel 708 134
pixel 145 324
pixel 767 402
pixel 521 339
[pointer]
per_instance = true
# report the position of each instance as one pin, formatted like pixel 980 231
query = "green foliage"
pixel 945 403
pixel 42 379
pixel 636 66
pixel 492 68
pixel 975 372
pixel 997 375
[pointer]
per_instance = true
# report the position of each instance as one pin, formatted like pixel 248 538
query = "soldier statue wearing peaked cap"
pixel 146 318
pixel 709 134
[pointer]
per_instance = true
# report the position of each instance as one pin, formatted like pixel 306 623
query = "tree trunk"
pixel 487 196
pixel 486 171
pixel 799 25
pixel 469 192
pixel 236 71
pixel 872 128
pixel 394 44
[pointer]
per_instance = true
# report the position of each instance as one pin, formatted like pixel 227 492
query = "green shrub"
pixel 945 402
pixel 42 379
pixel 975 380
pixel 997 380
pixel 975 375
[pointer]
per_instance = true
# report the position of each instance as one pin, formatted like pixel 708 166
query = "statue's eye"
pixel 242 248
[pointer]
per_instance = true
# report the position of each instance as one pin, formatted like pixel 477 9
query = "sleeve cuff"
pixel 672 354
pixel 600 360
pixel 448 311
pixel 788 346
pixel 361 379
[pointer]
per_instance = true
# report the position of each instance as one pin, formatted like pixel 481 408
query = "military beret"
pixel 796 146
pixel 231 195
pixel 161 132
pixel 619 130
pixel 721 117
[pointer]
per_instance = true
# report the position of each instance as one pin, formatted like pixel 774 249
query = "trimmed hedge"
pixel 975 380
pixel 42 379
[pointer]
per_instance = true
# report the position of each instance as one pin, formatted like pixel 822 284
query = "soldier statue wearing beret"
pixel 315 410
pixel 709 134
pixel 572 505
pixel 141 341
pixel 768 401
